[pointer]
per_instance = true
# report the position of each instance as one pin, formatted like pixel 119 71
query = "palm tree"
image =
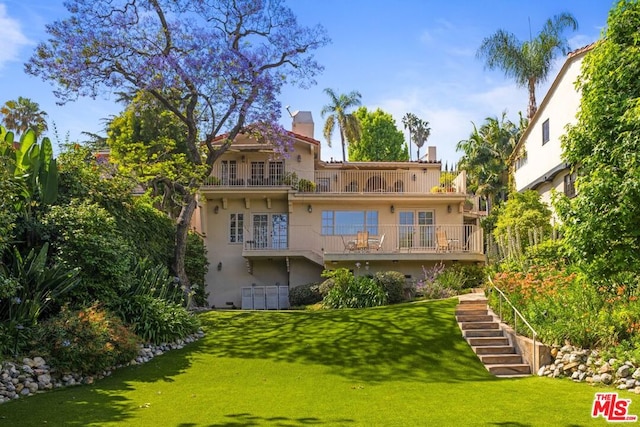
pixel 409 121
pixel 348 123
pixel 486 155
pixel 528 62
pixel 421 133
pixel 22 115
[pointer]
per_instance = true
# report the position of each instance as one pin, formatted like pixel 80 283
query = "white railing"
pixel 385 181
pixel 385 238
pixel 516 315
pixel 394 238
pixel 422 181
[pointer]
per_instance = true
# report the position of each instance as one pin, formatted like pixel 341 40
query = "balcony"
pixel 382 242
pixel 409 181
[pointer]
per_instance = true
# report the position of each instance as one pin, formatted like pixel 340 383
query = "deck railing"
pixel 421 181
pixel 386 238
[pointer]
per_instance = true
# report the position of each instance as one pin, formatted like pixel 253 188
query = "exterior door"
pixel 406 229
pixel 416 229
pixel 425 227
pixel 270 231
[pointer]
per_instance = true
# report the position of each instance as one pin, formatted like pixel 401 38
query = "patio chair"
pixel 377 244
pixel 349 245
pixel 442 243
pixel 362 243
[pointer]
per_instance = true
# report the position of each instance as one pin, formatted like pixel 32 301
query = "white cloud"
pixel 12 37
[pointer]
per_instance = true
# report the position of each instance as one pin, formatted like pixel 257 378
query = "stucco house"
pixel 272 224
pixel 537 160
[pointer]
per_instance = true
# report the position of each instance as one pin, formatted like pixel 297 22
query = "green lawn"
pixel 391 366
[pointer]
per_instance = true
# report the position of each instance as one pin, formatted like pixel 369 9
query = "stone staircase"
pixel 483 333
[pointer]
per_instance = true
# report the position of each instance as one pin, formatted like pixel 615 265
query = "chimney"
pixel 431 154
pixel 302 123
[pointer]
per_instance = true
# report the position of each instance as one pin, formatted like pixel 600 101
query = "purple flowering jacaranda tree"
pixel 218 65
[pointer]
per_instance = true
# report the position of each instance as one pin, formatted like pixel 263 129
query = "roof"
pixel 290 133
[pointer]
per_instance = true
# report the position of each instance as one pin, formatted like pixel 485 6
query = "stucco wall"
pixel 560 107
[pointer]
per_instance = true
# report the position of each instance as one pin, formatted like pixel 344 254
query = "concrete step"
pixel 494 349
pixel 510 370
pixel 474 312
pixel 472 306
pixel 479 300
pixel 473 333
pixel 479 325
pixel 501 359
pixel 487 341
pixel 463 318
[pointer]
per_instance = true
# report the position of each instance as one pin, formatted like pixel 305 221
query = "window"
pixel 570 185
pixel 349 222
pixel 236 227
pixel 545 132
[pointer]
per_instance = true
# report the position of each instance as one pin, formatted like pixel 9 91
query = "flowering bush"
pixel 564 306
pixel 86 341
pixel 439 282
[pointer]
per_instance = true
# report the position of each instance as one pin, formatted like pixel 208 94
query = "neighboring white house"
pixel 537 160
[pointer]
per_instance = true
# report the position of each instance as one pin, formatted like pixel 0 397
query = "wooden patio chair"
pixel 362 243
pixel 442 243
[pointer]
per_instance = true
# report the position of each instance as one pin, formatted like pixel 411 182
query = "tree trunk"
pixel 182 230
pixel 532 100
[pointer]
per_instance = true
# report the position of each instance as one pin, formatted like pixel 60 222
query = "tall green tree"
pixel 380 139
pixel 23 114
pixel 419 131
pixel 147 141
pixel 216 65
pixel 601 222
pixel 485 156
pixel 528 62
pixel 337 112
pixel 409 122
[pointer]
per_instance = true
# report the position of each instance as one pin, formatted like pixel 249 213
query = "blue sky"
pixel 402 56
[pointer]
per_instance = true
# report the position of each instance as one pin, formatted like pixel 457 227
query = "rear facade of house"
pixel 272 224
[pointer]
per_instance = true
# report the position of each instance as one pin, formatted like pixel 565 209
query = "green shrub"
pixel 302 295
pixel 86 236
pixel 153 280
pixel 29 285
pixel 549 252
pixel 393 284
pixel 326 286
pixel 359 292
pixel 438 282
pixel 196 265
pixel 155 320
pixel 306 186
pixel 87 341
pixel 473 275
pixel 451 278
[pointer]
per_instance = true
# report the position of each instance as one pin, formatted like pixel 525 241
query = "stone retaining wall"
pixel 590 366
pixel 31 376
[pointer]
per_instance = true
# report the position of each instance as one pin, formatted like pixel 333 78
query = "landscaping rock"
pixel 34 375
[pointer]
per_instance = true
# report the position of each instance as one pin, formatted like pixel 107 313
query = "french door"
pixel 270 231
pixel 415 229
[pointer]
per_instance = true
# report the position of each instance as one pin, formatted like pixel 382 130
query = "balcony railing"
pixel 423 181
pixel 380 239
